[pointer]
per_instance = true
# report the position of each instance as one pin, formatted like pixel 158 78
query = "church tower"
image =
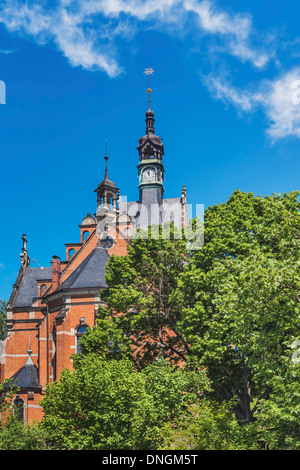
pixel 150 167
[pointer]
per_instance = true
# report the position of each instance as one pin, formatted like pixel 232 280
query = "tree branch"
pixel 263 395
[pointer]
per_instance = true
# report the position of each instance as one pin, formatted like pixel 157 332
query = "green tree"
pixel 141 298
pixel 15 435
pixel 232 305
pixel 210 426
pixel 280 414
pixel 7 391
pixel 107 404
pixel 240 297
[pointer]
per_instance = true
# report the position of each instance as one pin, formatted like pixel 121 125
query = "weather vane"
pixel 149 71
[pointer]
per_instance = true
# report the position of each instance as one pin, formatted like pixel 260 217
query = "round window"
pixel 107 242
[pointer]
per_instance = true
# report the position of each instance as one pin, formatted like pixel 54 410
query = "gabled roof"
pixel 28 290
pixel 90 273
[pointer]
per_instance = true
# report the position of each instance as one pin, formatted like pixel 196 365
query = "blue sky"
pixel 225 96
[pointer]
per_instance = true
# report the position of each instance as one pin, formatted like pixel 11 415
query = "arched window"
pixel 19 409
pixel 85 234
pixel 79 333
pixel 71 253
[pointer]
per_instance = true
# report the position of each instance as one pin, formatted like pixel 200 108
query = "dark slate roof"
pixel 90 273
pixel 152 138
pixel 26 377
pixel 29 287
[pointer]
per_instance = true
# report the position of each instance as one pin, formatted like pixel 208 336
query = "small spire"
pixel 29 352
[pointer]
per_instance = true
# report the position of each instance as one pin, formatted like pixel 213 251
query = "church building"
pixel 51 307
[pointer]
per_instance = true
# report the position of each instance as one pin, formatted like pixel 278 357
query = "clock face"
pixel 149 175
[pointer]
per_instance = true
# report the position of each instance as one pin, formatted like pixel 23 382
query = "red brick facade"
pixel 56 315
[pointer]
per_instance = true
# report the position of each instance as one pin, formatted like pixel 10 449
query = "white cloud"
pixel 66 29
pixel 141 9
pixel 223 90
pixel 237 30
pixel 84 31
pixel 279 99
pixel 282 105
pixel 7 51
pixel 78 45
pixel 18 16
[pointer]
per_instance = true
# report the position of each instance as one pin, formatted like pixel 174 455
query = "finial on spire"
pixel 24 255
pixel 29 352
pixel 106 158
pixel 149 113
pixel 149 71
pixel 24 242
pixel 29 348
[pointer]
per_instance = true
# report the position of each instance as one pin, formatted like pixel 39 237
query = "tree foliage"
pixel 192 349
pixel 15 435
pixel 210 426
pixel 233 304
pixel 109 405
pixel 7 391
pixel 240 297
pixel 141 296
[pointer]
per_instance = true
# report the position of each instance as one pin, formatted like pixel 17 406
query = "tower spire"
pixel 149 114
